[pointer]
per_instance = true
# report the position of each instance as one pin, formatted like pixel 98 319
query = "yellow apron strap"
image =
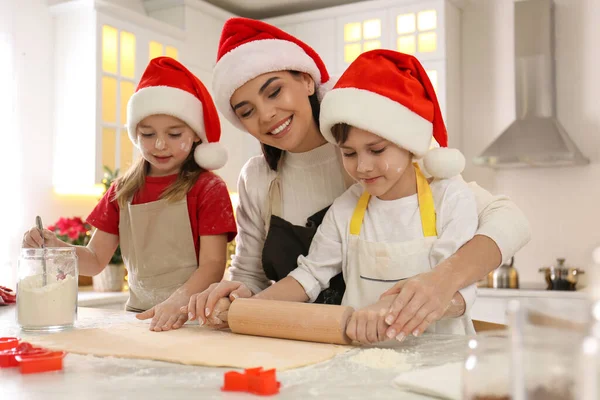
pixel 359 213
pixel 426 205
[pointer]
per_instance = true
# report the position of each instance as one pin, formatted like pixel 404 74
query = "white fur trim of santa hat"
pixel 377 114
pixel 165 100
pixel 181 104
pixel 252 59
pixel 391 120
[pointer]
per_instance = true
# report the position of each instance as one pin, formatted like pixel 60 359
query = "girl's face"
pixel 379 165
pixel 165 142
pixel 275 109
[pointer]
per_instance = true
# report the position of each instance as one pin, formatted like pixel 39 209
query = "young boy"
pixel 393 224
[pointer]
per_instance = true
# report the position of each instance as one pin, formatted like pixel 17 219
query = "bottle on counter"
pixel 47 289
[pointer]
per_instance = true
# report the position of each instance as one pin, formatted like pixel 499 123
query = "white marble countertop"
pixel 88 377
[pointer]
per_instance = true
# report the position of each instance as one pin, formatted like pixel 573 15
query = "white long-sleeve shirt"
pixel 310 182
pixel 313 180
pixel 392 221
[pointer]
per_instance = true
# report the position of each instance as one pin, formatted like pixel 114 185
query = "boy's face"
pixel 165 142
pixel 379 165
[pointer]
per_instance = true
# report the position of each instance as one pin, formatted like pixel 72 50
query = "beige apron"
pixel 158 250
pixel 374 267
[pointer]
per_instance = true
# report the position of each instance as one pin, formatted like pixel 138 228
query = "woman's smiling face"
pixel 275 108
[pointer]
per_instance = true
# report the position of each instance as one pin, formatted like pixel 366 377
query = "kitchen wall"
pixel 31 29
pixel 561 203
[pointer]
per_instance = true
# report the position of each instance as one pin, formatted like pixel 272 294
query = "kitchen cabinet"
pixel 428 29
pixel 101 51
pixel 491 304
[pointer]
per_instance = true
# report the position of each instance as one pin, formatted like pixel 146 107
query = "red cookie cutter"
pixel 252 380
pixel 42 362
pixel 28 358
pixel 7 296
pixel 7 343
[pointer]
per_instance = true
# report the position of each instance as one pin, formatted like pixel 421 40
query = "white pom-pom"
pixel 444 163
pixel 210 156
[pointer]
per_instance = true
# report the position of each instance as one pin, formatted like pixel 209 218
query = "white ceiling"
pixel 271 8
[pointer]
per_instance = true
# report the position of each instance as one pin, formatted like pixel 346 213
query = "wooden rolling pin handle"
pixel 321 323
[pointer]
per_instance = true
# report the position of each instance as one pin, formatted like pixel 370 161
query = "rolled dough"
pixel 191 345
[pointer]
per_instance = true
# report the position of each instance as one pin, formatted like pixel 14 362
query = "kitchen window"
pixel 118 85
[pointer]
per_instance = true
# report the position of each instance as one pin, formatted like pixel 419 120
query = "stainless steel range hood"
pixel 536 138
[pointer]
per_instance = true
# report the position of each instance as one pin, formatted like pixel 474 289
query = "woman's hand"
pixel 206 306
pixel 420 301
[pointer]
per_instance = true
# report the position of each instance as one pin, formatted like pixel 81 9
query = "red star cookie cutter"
pixel 252 380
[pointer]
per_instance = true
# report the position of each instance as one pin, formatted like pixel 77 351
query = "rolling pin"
pixel 323 323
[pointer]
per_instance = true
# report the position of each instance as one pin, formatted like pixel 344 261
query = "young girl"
pixel 170 215
pixel 393 224
pixel 269 83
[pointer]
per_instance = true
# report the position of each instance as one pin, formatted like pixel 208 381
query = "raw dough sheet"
pixel 192 345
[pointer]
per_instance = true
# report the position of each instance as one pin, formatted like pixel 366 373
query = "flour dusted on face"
pixel 41 306
pixel 382 359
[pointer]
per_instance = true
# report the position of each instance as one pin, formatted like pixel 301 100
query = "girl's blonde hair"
pixel 135 177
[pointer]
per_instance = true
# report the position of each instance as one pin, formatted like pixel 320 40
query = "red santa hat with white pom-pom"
pixel 167 87
pixel 389 94
pixel 249 48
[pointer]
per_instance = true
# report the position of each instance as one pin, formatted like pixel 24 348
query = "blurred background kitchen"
pixel 82 58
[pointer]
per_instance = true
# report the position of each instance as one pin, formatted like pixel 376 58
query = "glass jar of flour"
pixel 47 289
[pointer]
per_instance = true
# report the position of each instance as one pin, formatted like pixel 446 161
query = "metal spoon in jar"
pixel 38 223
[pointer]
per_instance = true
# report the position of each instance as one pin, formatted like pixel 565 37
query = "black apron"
pixel 285 242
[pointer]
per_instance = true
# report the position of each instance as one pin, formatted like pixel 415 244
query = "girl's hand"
pixel 202 306
pixel 33 239
pixel 165 316
pixel 367 325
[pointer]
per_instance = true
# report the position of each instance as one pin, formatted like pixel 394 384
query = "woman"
pixel 267 83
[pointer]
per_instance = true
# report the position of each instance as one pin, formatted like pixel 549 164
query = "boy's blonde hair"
pixel 135 178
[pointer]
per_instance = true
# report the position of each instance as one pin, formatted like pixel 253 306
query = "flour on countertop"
pixel 382 359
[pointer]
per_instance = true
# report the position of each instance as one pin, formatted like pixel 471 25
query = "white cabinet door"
pixel 320 35
pixel 360 32
pixel 418 29
pixel 124 51
pixel 493 309
pixel 436 70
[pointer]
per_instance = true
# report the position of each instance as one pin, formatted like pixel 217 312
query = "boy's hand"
pixel 33 239
pixel 367 325
pixel 165 316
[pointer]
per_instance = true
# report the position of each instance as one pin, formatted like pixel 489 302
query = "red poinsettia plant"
pixel 72 230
